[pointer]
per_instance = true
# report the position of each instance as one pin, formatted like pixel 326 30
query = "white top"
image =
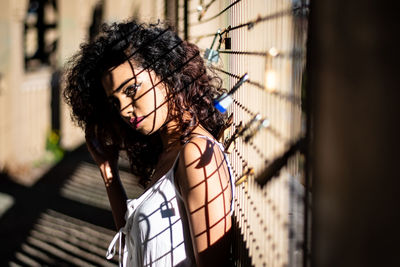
pixel 156 230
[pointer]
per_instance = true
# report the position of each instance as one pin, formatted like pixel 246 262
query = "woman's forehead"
pixel 114 77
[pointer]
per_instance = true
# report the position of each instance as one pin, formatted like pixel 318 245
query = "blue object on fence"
pixel 225 100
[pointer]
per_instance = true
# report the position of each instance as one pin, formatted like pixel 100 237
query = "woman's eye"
pixel 130 91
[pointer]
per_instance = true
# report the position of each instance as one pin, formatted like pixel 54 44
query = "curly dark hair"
pixel 178 64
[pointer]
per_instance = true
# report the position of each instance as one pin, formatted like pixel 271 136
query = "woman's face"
pixel 139 96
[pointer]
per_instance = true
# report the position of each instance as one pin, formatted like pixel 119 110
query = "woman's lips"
pixel 136 121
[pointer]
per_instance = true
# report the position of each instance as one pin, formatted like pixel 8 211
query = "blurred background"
pixel 314 140
pixel 54 209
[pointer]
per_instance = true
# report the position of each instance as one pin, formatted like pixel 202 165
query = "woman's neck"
pixel 170 135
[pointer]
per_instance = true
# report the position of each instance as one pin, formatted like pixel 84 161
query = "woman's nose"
pixel 126 107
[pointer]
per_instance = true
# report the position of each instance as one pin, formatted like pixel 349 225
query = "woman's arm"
pixel 204 182
pixel 116 194
pixel 107 161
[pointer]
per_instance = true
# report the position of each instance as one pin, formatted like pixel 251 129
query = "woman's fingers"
pixel 94 145
pixel 100 152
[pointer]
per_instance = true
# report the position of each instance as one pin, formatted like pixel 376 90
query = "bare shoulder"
pixel 201 160
pixel 200 150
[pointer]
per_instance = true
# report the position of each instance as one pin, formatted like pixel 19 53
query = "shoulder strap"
pixel 195 136
pixel 209 138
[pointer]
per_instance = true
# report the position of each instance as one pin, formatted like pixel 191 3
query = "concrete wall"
pixel 12 112
pixel 145 11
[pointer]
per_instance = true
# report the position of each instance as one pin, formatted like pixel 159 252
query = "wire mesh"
pixel 267 41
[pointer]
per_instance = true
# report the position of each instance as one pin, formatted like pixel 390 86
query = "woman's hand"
pixel 101 154
pixel 106 157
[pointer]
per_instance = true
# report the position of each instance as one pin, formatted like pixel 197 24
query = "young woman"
pixel 141 89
